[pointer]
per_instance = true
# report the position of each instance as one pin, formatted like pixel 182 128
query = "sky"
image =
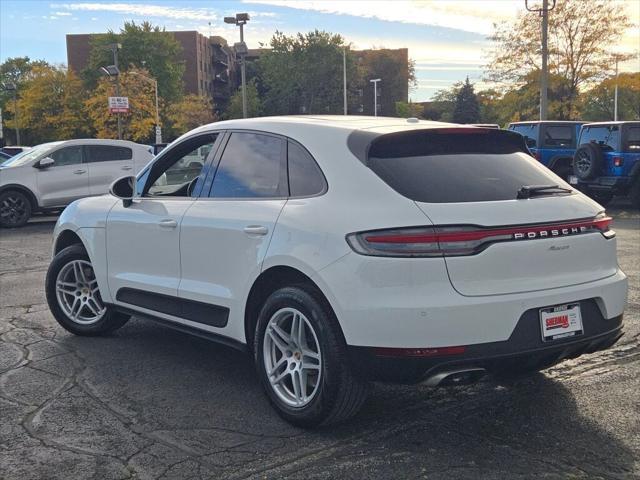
pixel 446 38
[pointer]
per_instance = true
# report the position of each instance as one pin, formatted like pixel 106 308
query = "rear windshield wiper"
pixel 528 191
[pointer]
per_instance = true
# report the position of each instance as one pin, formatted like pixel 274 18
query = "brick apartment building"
pixel 209 62
pixel 211 70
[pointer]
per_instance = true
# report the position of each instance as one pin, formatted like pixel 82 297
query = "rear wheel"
pixel 603 198
pixel 302 361
pixel 74 297
pixel 15 209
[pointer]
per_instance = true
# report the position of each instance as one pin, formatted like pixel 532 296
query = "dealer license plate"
pixel 561 321
pixel 573 180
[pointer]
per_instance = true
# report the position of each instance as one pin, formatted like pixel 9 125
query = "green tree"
pixel 409 109
pixel 50 106
pixel 188 113
pixel 254 105
pixel 144 46
pixel 138 124
pixel 15 71
pixel 466 109
pixel 597 102
pixel 581 34
pixel 303 73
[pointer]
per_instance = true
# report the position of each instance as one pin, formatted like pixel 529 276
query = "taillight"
pixel 455 241
pixel 618 161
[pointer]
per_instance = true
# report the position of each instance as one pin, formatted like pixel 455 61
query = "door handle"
pixel 168 223
pixel 79 172
pixel 256 230
pixel 126 167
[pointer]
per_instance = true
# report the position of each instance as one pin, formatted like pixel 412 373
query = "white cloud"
pixel 63 14
pixel 146 10
pixel 469 15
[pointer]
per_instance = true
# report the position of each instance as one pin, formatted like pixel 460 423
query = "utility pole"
pixel 114 49
pixel 375 95
pixel 154 82
pixel 15 112
pixel 344 78
pixel 544 13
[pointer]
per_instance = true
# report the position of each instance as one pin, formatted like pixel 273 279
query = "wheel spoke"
pixel 310 354
pixel 66 287
pixel 284 336
pixel 91 305
pixel 75 308
pixel 276 380
pixel 277 341
pixel 297 386
pixel 278 364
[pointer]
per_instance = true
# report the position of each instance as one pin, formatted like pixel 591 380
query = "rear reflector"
pixel 462 240
pixel 418 352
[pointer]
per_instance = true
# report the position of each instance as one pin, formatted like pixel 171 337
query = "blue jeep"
pixel 607 161
pixel 552 143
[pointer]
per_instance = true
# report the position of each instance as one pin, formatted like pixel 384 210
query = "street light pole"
pixel 375 95
pixel 344 79
pixel 114 49
pixel 240 20
pixel 615 95
pixel 17 119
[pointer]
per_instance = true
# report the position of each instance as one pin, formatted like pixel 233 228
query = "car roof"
pixel 572 122
pixel 346 123
pixel 619 122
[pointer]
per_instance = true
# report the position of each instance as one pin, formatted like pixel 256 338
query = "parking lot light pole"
pixel 375 95
pixel 114 47
pixel 154 82
pixel 11 87
pixel 240 20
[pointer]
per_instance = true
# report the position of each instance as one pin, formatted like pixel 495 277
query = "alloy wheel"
pixel 77 293
pixel 292 357
pixel 13 209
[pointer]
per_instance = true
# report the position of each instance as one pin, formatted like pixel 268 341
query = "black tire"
pixel 587 161
pixel 563 169
pixel 340 393
pixel 15 209
pixel 110 320
pixel 634 193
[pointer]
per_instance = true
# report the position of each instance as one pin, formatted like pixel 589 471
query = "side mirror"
pixel 46 162
pixel 531 143
pixel 124 189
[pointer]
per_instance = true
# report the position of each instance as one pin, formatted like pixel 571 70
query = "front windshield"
pixel 29 155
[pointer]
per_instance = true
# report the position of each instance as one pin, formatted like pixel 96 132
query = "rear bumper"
pixel 523 351
pixel 615 185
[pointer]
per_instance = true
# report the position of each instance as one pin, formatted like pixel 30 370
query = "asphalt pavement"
pixel 151 403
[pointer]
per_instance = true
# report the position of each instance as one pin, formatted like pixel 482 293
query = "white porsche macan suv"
pixel 338 250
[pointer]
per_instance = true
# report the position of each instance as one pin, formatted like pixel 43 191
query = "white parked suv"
pixel 338 250
pixel 52 175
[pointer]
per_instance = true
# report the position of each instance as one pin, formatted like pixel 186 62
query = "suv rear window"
pixel 558 136
pixel 440 166
pixel 527 130
pixel 607 137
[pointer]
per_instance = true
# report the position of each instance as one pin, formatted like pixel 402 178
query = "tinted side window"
pixel 67 156
pixel 558 135
pixel 107 153
pixel 633 139
pixel 305 177
pixel 251 166
pixel 606 137
pixel 527 130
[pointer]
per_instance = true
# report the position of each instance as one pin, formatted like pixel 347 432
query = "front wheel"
pixel 74 297
pixel 15 209
pixel 302 361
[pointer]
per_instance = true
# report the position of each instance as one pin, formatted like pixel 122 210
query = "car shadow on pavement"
pixel 204 399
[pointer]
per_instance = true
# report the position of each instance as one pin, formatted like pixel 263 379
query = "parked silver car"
pixel 52 175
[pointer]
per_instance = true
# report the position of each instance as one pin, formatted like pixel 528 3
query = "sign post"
pixel 118 104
